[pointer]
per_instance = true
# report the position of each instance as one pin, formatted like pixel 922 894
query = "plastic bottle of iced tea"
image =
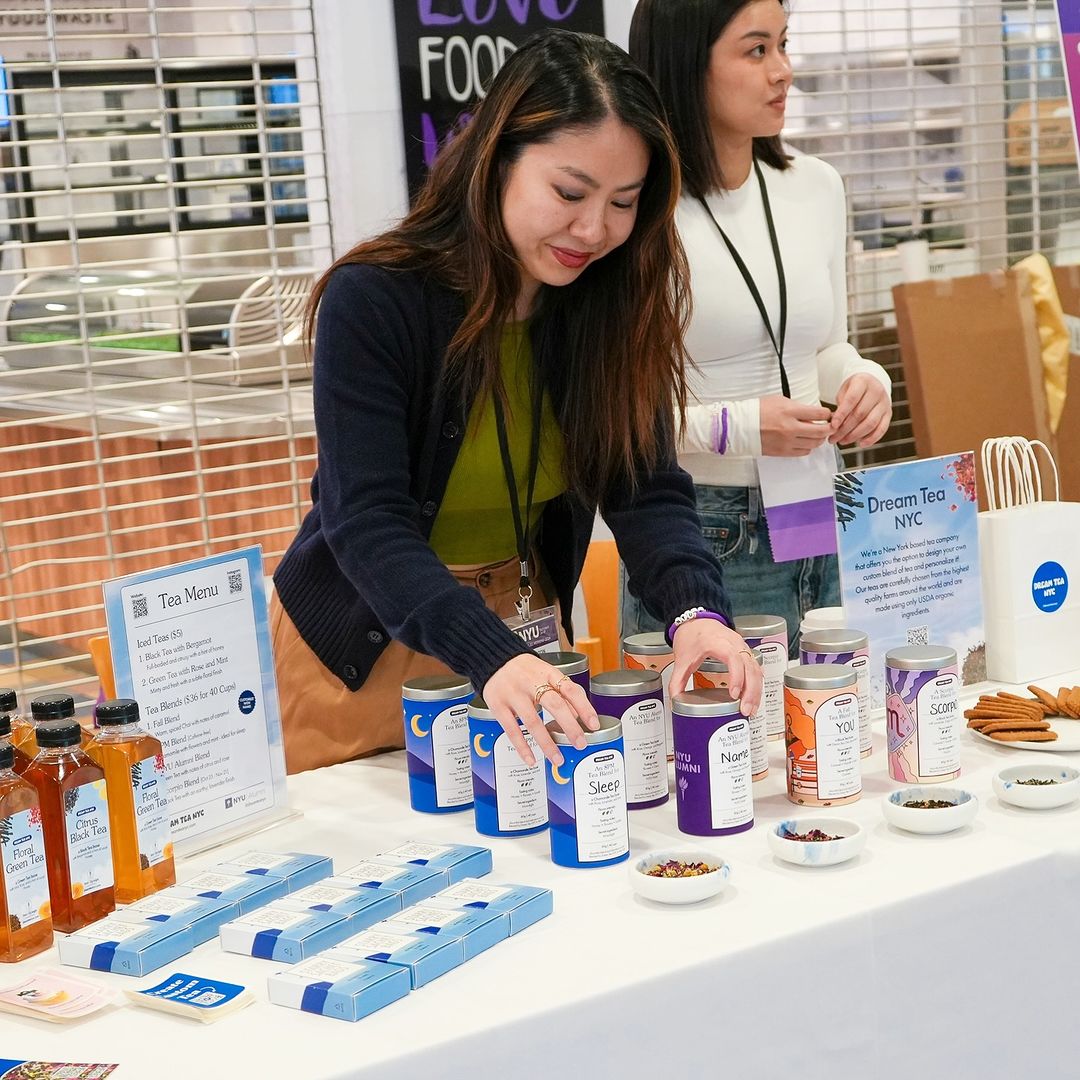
pixel 7 737
pixel 25 912
pixel 75 814
pixel 138 800
pixel 22 730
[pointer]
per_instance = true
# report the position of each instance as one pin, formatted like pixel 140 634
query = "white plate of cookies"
pixel 1042 721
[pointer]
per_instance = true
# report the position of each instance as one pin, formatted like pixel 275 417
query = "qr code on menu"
pixel 236 582
pixel 918 635
pixel 139 608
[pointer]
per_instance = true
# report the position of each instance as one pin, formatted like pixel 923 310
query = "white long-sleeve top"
pixel 735 360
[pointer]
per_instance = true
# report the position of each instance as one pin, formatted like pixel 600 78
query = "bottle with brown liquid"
pixel 25 912
pixel 22 730
pixel 137 784
pixel 75 814
pixel 7 737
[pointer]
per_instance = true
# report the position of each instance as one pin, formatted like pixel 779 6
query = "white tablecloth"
pixel 927 957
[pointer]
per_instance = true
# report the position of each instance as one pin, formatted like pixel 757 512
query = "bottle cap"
pixel 58 733
pixel 53 707
pixel 8 701
pixel 7 755
pixel 5 725
pixel 117 712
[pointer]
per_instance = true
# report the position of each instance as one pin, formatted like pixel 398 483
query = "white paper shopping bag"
pixel 1030 548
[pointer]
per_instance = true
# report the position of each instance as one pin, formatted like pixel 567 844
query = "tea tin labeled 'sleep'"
pixel 821 710
pixel 922 713
pixel 509 797
pixel 852 649
pixel 768 635
pixel 587 798
pixel 714 673
pixel 713 789
pixel 436 711
pixel 636 699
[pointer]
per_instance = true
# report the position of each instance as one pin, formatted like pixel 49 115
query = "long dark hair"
pixel 671 40
pixel 617 330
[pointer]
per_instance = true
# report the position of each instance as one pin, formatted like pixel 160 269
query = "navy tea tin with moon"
pixel 587 798
pixel 508 796
pixel 436 711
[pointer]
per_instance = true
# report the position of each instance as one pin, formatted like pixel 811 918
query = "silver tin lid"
pixel 713 702
pixel 569 663
pixel 920 657
pixel 610 729
pixel 436 688
pixel 820 677
pixel 653 644
pixel 478 708
pixel 846 640
pixel 718 667
pixel 625 681
pixel 760 625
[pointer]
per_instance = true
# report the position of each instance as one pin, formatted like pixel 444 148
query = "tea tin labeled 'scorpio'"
pixel 922 713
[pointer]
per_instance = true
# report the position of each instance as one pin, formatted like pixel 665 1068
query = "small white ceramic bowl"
pixel 927 822
pixel 851 840
pixel 1038 796
pixel 686 890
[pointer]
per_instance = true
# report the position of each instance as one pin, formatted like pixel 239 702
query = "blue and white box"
pixel 362 907
pixel 274 933
pixel 410 883
pixel 247 890
pixel 424 957
pixel 124 947
pixel 477 930
pixel 523 904
pixel 295 867
pixel 347 990
pixel 456 860
pixel 200 914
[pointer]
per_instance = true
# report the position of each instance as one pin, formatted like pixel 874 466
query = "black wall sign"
pixel 448 51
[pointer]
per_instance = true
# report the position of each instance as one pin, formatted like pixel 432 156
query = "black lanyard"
pixel 777 344
pixel 521 527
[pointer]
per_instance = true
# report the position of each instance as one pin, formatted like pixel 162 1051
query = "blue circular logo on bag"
pixel 247 702
pixel 1050 586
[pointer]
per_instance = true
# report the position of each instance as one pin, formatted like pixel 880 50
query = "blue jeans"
pixel 733 523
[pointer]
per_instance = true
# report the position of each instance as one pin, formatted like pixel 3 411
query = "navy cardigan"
pixel 360 571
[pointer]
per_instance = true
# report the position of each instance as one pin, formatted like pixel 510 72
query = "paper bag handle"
pixel 1011 472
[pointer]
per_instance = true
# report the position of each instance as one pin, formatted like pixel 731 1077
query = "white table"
pixel 927 957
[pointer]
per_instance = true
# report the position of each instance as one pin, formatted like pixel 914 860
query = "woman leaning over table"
pixel 519 332
pixel 765 236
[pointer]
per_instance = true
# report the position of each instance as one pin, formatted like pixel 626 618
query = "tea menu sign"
pixel 191 644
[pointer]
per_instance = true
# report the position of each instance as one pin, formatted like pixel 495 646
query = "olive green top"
pixel 475 523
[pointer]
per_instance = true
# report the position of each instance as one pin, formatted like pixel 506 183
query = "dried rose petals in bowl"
pixel 679 875
pixel 676 868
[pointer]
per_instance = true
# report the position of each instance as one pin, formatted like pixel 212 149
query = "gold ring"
pixel 746 652
pixel 560 682
pixel 539 692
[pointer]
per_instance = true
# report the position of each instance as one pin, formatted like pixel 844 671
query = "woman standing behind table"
pixel 769 337
pixel 487 374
